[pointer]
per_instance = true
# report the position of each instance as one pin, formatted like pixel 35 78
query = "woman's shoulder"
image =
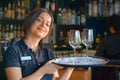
pixel 15 47
pixel 46 47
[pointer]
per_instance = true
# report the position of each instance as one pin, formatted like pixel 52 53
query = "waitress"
pixel 28 59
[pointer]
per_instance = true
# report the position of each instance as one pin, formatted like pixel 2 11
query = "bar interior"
pixel 68 15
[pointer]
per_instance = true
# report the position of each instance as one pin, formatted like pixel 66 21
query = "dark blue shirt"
pixel 20 55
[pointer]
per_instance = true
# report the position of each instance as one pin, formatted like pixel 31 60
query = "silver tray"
pixel 81 61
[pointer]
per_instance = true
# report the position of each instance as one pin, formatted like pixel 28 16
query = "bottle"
pixel 22 10
pixel 3 33
pixel 116 7
pixel 11 34
pixel 1 12
pixel 110 8
pixel 78 18
pixel 15 31
pixel 53 6
pixel 19 32
pixel 98 40
pixel 18 10
pixel 67 38
pixel 105 8
pixel 27 7
pixel 64 16
pixel 5 12
pixel 100 8
pixel 7 27
pixel 73 17
pixel 68 16
pixel 37 5
pixel 118 75
pixel 61 38
pixel 9 11
pixel 94 8
pixel 13 11
pixel 47 5
pixel 83 19
pixel 0 32
pixel 59 16
pixel 89 8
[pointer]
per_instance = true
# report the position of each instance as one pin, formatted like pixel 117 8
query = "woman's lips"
pixel 41 29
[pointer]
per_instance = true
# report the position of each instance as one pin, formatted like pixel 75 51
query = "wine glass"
pixel 87 38
pixel 74 39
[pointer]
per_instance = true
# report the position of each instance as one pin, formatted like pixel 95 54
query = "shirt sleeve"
pixel 11 57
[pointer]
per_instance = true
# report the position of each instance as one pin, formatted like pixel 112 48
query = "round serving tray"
pixel 81 61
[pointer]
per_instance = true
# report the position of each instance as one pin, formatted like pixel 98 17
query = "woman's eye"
pixel 48 25
pixel 39 20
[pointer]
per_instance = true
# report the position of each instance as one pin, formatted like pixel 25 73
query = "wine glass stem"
pixel 74 49
pixel 86 51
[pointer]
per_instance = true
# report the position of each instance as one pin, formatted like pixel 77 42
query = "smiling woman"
pixel 28 59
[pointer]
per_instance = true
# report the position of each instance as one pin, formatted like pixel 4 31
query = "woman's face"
pixel 41 26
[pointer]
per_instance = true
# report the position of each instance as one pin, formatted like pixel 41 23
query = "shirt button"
pixel 32 50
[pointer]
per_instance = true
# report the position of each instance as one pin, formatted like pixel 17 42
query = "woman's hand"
pixel 50 67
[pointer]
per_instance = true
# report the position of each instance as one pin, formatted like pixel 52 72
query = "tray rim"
pixel 77 66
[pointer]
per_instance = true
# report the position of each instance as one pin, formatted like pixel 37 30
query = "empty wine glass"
pixel 74 39
pixel 87 38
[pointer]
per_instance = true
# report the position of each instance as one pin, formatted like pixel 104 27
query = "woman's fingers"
pixel 58 66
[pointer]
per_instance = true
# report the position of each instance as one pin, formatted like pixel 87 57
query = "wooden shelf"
pixel 11 21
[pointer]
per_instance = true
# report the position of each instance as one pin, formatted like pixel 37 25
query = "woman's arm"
pixel 15 73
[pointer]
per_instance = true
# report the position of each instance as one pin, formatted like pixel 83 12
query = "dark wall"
pixel 99 24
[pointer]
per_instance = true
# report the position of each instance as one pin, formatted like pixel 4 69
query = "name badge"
pixel 26 58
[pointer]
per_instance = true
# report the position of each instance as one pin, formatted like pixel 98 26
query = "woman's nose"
pixel 43 24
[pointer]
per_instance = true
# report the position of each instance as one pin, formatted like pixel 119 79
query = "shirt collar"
pixel 24 45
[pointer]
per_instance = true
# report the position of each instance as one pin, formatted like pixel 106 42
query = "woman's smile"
pixel 40 29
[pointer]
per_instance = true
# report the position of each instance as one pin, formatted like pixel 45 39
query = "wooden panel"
pixel 79 74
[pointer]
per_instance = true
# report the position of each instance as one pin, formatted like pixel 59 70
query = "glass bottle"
pixel 53 6
pixel 47 5
pixel 0 32
pixel 61 38
pixel 59 16
pixel 110 8
pixel 13 11
pixel 67 38
pixel 89 8
pixel 98 40
pixel 116 7
pixel 64 16
pixel 94 8
pixel 11 32
pixel 37 5
pixel 9 11
pixel 78 18
pixel 105 8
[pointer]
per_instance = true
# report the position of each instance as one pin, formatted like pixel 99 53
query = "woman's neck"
pixel 32 42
